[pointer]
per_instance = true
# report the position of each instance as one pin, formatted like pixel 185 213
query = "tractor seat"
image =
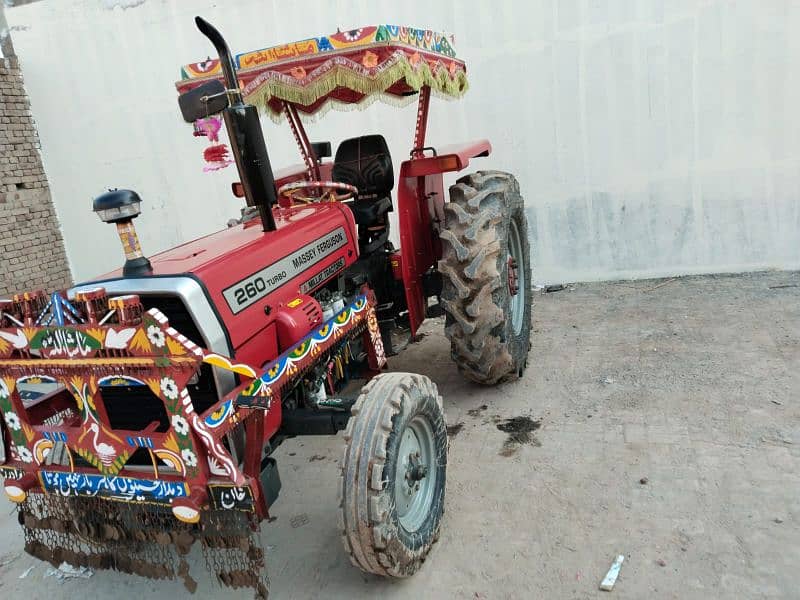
pixel 365 162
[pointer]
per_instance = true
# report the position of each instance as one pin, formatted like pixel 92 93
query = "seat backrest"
pixel 365 162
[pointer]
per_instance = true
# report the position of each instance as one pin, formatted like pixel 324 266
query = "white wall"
pixel 650 137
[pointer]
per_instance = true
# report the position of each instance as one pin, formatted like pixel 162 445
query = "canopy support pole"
pixel 422 122
pixel 299 132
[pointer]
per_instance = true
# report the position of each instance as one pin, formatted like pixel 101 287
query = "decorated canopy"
pixel 346 68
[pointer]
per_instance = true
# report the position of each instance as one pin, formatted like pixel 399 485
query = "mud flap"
pixel 270 481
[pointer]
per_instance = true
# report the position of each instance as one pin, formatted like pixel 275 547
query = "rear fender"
pixel 421 185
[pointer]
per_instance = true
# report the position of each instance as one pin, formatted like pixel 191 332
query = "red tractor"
pixel 141 410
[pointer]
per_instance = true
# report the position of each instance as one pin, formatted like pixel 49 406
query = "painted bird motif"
pixel 106 452
pixel 17 340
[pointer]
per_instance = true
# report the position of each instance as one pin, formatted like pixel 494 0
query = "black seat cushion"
pixel 365 162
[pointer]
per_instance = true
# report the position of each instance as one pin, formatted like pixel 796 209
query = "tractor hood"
pixel 246 273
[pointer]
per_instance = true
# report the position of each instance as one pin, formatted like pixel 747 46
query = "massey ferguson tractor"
pixel 141 410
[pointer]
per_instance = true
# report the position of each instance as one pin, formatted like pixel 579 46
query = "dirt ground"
pixel 663 425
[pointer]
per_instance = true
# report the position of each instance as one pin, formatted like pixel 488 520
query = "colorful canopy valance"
pixel 344 68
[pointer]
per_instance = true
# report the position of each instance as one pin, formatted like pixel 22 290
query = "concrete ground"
pixel 669 433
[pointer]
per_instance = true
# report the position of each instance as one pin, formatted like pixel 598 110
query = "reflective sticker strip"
pixel 326 273
pixel 261 283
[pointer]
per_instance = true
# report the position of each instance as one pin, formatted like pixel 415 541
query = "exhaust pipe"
pixel 244 130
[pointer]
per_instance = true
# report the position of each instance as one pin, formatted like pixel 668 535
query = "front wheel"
pixel 393 474
pixel 486 277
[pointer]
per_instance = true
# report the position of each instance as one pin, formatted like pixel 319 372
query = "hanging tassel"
pixel 208 127
pixel 217 157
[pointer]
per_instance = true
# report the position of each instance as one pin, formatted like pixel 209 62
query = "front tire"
pixel 486 277
pixel 393 474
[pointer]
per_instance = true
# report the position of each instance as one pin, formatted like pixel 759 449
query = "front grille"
pixel 179 318
pixel 135 407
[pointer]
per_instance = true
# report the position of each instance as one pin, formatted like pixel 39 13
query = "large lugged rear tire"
pixel 485 259
pixel 393 474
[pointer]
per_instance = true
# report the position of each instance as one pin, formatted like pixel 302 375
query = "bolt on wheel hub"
pixel 415 471
pixel 415 475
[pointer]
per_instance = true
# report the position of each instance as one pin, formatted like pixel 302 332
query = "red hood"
pixel 245 257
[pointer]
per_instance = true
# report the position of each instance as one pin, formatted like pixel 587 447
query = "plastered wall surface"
pixel 650 137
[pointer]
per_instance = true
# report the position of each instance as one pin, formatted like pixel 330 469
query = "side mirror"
pixel 203 101
pixel 321 149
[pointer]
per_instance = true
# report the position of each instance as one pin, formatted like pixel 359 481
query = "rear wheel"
pixel 486 275
pixel 393 474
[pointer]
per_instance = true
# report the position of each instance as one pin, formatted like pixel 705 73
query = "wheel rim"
pixel 415 476
pixel 517 258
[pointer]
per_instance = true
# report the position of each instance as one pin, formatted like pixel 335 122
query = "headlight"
pixel 129 211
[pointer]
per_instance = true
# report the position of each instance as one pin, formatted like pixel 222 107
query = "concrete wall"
pixel 650 137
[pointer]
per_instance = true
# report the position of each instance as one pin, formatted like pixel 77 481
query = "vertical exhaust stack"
pixel 244 130
pixel 121 207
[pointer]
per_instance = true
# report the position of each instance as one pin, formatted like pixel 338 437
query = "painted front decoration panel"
pixel 85 358
pixel 57 342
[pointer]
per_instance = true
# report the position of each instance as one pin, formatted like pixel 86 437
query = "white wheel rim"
pixel 413 495
pixel 518 299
